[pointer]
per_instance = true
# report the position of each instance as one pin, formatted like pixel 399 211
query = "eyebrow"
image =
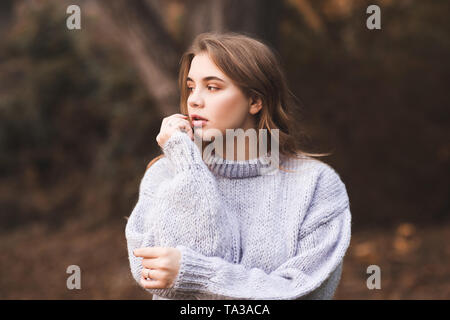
pixel 206 79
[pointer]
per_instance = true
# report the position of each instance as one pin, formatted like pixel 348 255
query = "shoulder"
pixel 325 194
pixel 324 183
pixel 157 172
pixel 328 178
pixel 320 171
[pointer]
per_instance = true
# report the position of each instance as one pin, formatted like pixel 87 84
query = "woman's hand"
pixel 160 266
pixel 174 122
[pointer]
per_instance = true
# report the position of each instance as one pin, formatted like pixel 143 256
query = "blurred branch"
pixel 203 16
pixel 311 17
pixel 139 29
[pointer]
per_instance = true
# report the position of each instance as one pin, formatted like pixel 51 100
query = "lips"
pixel 197 117
pixel 198 121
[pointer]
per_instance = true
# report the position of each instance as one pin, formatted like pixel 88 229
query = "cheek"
pixel 229 111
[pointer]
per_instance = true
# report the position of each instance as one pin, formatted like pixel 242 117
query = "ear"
pixel 255 105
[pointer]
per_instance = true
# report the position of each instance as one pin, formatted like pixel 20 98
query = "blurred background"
pixel 80 110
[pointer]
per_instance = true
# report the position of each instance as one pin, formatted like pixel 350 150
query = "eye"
pixel 210 88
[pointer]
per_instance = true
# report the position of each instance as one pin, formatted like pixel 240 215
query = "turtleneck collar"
pixel 238 169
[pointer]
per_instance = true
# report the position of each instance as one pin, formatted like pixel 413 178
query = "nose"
pixel 195 100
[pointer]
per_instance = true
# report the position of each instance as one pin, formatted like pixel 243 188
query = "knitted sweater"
pixel 242 234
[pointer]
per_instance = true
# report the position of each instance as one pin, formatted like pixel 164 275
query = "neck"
pixel 241 150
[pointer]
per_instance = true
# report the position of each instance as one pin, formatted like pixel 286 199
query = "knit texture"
pixel 243 234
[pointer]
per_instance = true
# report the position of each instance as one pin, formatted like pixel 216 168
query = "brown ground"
pixel 414 263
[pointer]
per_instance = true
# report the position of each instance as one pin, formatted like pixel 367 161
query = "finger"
pixel 152 284
pixel 183 125
pixel 185 122
pixel 186 126
pixel 174 122
pixel 179 116
pixel 152 274
pixel 145 273
pixel 171 118
pixel 153 263
pixel 149 252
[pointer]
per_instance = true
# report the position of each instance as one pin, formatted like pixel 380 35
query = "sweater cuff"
pixel 182 151
pixel 195 272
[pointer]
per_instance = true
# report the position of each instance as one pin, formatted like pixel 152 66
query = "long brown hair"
pixel 255 68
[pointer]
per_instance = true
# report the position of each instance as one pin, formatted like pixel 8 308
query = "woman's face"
pixel 213 96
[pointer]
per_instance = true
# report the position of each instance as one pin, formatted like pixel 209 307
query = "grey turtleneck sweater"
pixel 242 234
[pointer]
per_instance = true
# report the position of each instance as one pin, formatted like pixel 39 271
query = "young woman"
pixel 223 228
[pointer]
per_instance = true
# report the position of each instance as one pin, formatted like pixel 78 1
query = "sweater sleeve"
pixel 322 243
pixel 179 204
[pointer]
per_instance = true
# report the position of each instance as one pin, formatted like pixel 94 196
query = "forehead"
pixel 202 66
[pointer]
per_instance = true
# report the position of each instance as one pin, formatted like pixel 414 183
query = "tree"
pixel 142 28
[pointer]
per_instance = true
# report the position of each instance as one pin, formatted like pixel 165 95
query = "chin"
pixel 207 134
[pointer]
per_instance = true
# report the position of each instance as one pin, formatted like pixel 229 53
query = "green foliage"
pixel 68 108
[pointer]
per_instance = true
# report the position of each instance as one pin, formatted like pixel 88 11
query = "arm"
pixel 323 240
pixel 179 204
